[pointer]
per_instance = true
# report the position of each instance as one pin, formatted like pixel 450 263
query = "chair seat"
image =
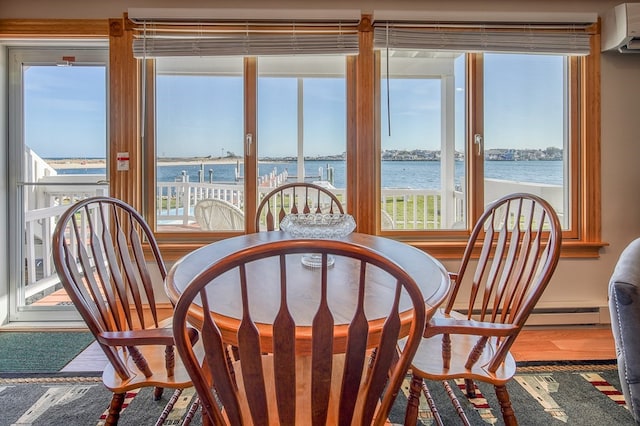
pixel 155 356
pixel 428 360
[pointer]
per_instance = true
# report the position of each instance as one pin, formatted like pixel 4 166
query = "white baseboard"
pixel 570 316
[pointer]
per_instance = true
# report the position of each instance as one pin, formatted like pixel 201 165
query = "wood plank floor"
pixel 564 344
pixel 533 344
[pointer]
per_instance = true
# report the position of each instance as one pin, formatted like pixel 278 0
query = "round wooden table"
pixel 224 292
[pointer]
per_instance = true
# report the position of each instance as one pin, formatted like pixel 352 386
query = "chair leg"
pixel 432 405
pixel 470 388
pixel 456 403
pixel 157 393
pixel 508 415
pixel 192 412
pixel 413 401
pixel 114 409
pixel 168 407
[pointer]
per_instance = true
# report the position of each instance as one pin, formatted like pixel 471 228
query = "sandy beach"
pixel 93 163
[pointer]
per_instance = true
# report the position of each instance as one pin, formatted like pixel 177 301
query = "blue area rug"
pixel 545 395
pixel 40 352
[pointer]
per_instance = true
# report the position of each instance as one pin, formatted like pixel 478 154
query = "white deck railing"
pixel 402 208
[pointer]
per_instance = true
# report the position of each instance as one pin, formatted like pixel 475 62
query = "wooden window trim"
pixel 54 28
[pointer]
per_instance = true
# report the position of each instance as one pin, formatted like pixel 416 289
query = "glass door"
pixel 58 152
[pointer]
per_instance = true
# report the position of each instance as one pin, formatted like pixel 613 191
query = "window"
pixel 525 108
pixel 199 145
pixel 438 146
pixel 302 117
pixel 200 138
pixel 460 128
pixel 234 112
pixel 422 140
pixel 527 135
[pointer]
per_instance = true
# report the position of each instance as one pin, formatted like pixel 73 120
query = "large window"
pixel 527 135
pixel 234 110
pixel 422 129
pixel 523 104
pixel 302 117
pixel 415 140
pixel 470 113
pixel 199 145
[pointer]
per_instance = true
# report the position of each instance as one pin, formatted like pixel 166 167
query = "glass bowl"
pixel 320 226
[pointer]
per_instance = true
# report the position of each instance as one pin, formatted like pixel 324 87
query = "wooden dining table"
pixel 225 300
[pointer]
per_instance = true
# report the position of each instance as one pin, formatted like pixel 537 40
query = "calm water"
pixel 395 174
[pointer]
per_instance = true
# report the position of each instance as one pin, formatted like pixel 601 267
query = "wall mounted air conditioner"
pixel 621 28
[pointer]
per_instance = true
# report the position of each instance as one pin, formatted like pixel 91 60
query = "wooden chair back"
pixel 296 197
pixel 107 260
pixel 100 253
pixel 517 244
pixel 265 384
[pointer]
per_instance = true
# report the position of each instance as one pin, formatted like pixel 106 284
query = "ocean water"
pixel 395 174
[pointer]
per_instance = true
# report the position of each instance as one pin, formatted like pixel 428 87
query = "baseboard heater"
pixel 567 316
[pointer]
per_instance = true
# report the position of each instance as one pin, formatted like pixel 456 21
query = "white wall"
pixel 114 8
pixel 577 282
pixel 4 261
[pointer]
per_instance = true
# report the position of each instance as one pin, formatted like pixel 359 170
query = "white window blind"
pixel 570 39
pixel 210 37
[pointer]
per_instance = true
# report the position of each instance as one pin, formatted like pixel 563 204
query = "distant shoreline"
pixel 98 163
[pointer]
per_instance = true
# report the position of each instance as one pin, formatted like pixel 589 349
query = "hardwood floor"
pixel 533 344
pixel 563 344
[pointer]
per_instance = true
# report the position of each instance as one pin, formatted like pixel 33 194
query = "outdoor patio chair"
pixel 296 197
pixel 213 214
pixel 517 240
pixel 386 221
pixel 109 264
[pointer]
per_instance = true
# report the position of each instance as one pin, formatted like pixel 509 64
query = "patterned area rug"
pixel 546 394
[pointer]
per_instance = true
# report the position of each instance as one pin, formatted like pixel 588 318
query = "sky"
pixel 65 111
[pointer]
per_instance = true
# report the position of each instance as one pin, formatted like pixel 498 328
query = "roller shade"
pixel 315 34
pixel 570 39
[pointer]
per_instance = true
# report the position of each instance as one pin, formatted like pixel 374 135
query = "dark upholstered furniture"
pixel 624 304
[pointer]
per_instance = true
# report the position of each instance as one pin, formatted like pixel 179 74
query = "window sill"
pixel 442 250
pixel 453 250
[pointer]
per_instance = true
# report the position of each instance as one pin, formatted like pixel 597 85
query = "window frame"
pixel 124 122
pixel 363 155
pixel 39 36
pixel 583 238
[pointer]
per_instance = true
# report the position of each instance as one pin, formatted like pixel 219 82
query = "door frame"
pixel 85 53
